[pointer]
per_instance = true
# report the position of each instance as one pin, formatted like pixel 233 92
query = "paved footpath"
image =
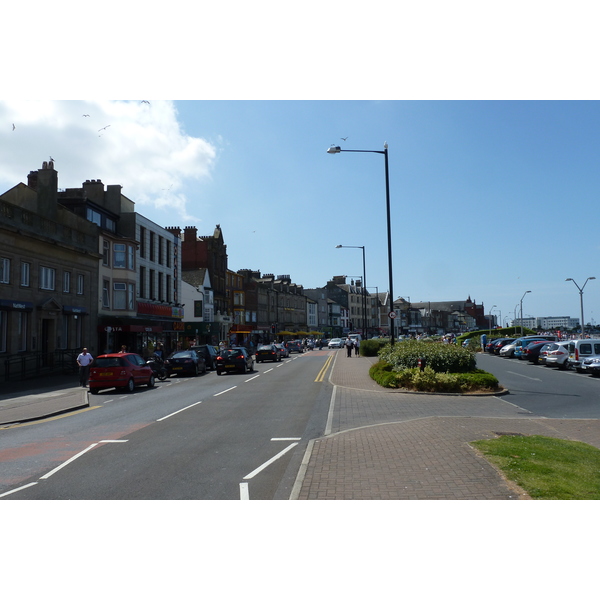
pixel 383 444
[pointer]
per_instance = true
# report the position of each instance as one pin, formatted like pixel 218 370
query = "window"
pixel 22 318
pixel 131 258
pixel 106 253
pixel 168 253
pixel 151 249
pixel 3 318
pixel 160 250
pixel 119 256
pixel 142 282
pixel 94 216
pixel 67 282
pixel 151 288
pixel 4 270
pixel 131 296
pixel 80 284
pixel 63 339
pixel 119 296
pixel 143 242
pixel 25 269
pixel 161 295
pixel 168 294
pixel 105 293
pixel 110 224
pixel 47 278
pixel 198 310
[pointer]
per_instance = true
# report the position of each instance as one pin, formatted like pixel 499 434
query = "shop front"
pixel 200 332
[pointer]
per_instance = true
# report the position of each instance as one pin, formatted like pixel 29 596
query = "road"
pixel 544 391
pixel 211 437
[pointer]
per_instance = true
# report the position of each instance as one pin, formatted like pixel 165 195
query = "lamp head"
pixel 569 279
pixel 333 150
pixel 339 246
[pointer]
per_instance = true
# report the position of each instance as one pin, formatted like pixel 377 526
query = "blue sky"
pixel 489 199
pixel 492 124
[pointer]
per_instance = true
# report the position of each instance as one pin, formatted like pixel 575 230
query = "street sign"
pixel 392 314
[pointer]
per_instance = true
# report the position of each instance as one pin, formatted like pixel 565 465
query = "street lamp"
pixel 581 301
pixel 337 150
pixel 490 323
pixel 364 288
pixel 527 292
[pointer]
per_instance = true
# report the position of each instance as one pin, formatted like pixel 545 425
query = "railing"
pixel 30 365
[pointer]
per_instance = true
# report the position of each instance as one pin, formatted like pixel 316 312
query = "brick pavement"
pixel 383 444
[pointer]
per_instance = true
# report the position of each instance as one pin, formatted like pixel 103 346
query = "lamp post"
pixel 337 150
pixel 581 301
pixel 527 292
pixel 364 288
pixel 490 323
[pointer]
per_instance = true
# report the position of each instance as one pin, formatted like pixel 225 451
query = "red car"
pixel 124 371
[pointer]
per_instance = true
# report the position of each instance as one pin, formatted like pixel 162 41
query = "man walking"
pixel 84 360
pixel 348 343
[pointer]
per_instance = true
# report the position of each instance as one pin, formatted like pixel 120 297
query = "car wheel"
pixel 130 386
pixel 94 391
pixel 244 369
pixel 219 372
pixel 196 372
pixel 151 381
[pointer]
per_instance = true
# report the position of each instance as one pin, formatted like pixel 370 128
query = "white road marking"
pixel 244 495
pixel 68 461
pixel 224 391
pixel 287 439
pixel 112 441
pixel 251 378
pixel 526 377
pixel 18 489
pixel 270 461
pixel 268 370
pixel 178 411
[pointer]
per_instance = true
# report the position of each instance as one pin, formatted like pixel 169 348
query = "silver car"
pixel 555 354
pixel 335 343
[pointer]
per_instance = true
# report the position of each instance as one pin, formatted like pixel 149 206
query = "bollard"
pixel 421 363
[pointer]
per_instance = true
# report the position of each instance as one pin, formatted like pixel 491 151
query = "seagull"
pixel 51 159
pixel 14 127
pixel 85 115
pixel 344 138
pixel 104 128
pixel 144 102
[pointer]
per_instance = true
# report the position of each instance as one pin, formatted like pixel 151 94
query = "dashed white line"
pixel 18 489
pixel 68 461
pixel 244 494
pixel 224 391
pixel 178 411
pixel 271 460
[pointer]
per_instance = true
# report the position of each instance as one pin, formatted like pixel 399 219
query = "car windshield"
pixel 109 361
pixel 183 354
pixel 265 347
pixel 231 353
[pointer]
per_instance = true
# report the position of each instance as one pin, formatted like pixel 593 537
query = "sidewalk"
pixel 24 401
pixel 385 444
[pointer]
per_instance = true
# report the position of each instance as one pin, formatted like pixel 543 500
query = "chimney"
pixel 32 179
pixel 190 234
pixel 46 185
pixel 94 190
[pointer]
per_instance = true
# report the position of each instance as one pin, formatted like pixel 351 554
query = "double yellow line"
pixel 322 372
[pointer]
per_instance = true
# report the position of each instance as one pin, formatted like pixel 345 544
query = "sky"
pixel 489 199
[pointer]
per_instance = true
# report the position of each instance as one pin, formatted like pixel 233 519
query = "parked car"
pixel 590 366
pixel 514 348
pixel 499 345
pixel 123 370
pixel 234 359
pixel 555 354
pixel 579 350
pixel 186 362
pixel 268 352
pixel 491 345
pixel 295 347
pixel 283 351
pixel 335 343
pixel 531 352
pixel 209 353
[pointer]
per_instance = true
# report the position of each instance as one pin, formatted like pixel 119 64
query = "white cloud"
pixel 138 145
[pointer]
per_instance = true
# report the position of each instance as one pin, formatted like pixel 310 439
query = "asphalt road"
pixel 211 437
pixel 545 391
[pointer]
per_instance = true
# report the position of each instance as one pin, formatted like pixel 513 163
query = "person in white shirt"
pixel 84 360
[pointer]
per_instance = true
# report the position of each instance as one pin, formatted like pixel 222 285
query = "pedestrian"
pixel 356 347
pixel 349 345
pixel 84 360
pixel 123 349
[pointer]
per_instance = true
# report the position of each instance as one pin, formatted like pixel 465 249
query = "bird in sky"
pixel 85 115
pixel 344 138
pixel 104 128
pixel 14 127
pixel 51 159
pixel 144 102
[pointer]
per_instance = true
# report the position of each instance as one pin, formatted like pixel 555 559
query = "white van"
pixel 355 336
pixel 579 350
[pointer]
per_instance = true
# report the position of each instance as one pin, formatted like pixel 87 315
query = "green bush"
pixel 381 373
pixel 372 347
pixel 442 358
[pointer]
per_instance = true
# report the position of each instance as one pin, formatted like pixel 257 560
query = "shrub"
pixel 372 347
pixel 442 358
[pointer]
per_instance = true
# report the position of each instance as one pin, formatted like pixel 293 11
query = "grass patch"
pixel 546 468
